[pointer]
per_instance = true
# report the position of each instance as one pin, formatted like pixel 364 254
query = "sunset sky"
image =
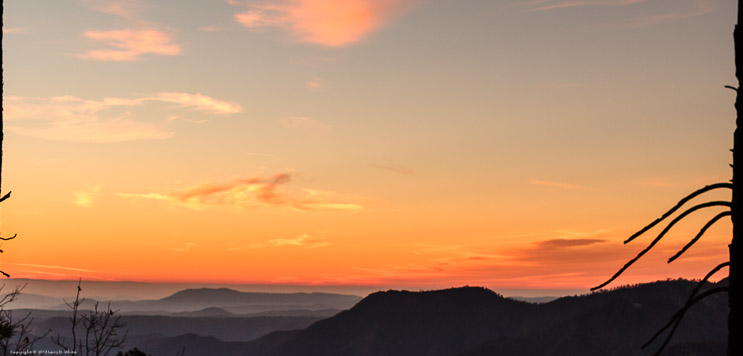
pixel 391 143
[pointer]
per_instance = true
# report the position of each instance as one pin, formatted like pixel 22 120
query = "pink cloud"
pixel 251 192
pixel 122 8
pixel 130 44
pixel 324 22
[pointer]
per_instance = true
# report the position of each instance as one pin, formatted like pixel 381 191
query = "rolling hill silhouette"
pixel 467 321
pixel 229 301
pixel 477 321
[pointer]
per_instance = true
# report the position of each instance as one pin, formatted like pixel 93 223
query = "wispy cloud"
pixel 676 10
pixel 130 44
pixel 114 130
pixel 185 248
pixel 12 30
pixel 198 102
pixel 394 168
pixel 691 8
pixel 324 22
pixel 295 122
pixel 545 5
pixel 68 118
pixel 313 84
pixel 561 243
pixel 86 198
pixel 304 240
pixel 211 29
pixel 122 8
pixel 139 38
pixel 554 184
pixel 251 192
pixel 55 267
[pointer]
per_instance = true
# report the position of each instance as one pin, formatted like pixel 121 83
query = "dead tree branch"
pixel 660 236
pixel 679 205
pixel 699 235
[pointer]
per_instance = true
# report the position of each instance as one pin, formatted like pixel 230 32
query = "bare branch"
pixel 678 206
pixel 699 235
pixel 691 296
pixel 660 236
pixel 731 87
pixel 676 318
pixel 8 238
pixel 6 196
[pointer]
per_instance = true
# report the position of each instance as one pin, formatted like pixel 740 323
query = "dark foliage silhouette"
pixel 732 208
pixel 101 330
pixel 133 352
pixel 477 321
pixel 15 333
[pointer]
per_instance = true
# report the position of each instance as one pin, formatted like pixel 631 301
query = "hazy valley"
pixel 458 321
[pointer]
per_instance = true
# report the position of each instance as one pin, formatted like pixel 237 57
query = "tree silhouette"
pixel 2 135
pixel 732 208
pixel 101 329
pixel 15 332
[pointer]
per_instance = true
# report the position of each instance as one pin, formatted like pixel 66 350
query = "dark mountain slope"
pixel 441 322
pixel 476 321
pixel 617 323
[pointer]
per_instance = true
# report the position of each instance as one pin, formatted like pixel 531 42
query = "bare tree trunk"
pixel 2 87
pixel 735 326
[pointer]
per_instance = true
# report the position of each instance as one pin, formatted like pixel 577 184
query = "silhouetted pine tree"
pixel 733 208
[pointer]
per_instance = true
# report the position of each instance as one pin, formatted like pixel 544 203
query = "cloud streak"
pixel 68 118
pixel 562 243
pixel 546 5
pixel 395 168
pixel 696 8
pixel 304 240
pixel 140 38
pixel 55 267
pixel 324 22
pixel 130 44
pixel 249 193
pixel 296 122
pixel 121 8
pixel 554 184
pixel 677 10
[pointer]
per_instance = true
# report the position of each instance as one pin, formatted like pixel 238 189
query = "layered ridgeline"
pixel 222 301
pixel 477 321
pixel 458 321
pixel 226 314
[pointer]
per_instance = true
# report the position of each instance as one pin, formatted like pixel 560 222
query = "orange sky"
pixel 425 143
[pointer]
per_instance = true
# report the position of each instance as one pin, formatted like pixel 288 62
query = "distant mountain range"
pixel 204 300
pixel 473 321
pixel 466 321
